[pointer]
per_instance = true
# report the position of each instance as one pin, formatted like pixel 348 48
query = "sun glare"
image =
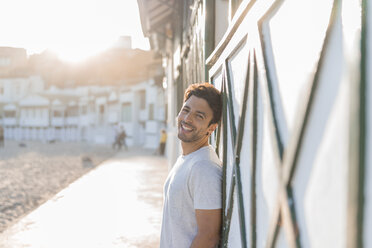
pixel 73 29
pixel 79 52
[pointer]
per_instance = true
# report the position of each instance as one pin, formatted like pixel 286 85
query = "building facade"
pixel 11 60
pixel 295 137
pixel 89 113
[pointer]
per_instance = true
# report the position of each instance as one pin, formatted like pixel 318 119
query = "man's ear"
pixel 212 127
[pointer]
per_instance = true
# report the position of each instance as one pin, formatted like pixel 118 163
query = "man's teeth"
pixel 186 128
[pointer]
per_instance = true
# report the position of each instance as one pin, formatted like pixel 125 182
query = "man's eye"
pixel 200 116
pixel 185 110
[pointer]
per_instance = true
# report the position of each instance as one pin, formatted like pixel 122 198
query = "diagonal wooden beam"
pixel 290 157
pixel 227 209
pixel 358 133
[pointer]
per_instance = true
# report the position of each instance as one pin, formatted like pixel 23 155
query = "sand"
pixel 33 172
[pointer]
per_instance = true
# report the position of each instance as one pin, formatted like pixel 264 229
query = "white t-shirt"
pixel 195 182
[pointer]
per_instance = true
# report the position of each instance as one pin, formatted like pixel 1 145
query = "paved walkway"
pixel 118 204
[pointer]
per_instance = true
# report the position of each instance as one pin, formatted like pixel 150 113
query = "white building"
pixel 143 113
pixel 90 113
pixel 33 118
pixel 10 120
pixel 86 117
pixel 14 89
pixel 57 120
pixel 72 121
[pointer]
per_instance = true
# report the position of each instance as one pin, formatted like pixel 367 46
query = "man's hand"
pixel 209 228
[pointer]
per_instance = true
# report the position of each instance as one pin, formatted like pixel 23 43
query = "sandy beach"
pixel 33 172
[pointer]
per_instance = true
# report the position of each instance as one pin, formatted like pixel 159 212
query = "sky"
pixel 73 29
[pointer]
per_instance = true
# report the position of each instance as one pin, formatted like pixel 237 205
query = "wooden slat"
pixel 357 163
pixel 238 147
pixel 254 129
pixel 237 20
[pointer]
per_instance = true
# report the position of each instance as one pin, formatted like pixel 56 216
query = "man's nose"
pixel 188 117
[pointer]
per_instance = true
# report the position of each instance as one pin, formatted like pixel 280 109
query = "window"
pixel 126 112
pixel 72 111
pixel 57 113
pixel 225 11
pixel 222 22
pixel 101 114
pixel 9 114
pixel 4 61
pixel 142 99
pixel 151 112
pixel 101 109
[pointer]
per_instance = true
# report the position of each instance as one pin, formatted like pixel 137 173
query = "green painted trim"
pixel 362 123
pixel 230 103
pixel 232 132
pixel 230 206
pixel 224 151
pixel 293 152
pixel 241 13
pixel 275 221
pixel 224 162
pixel 358 131
pixel 289 166
pixel 291 204
pixel 236 175
pixel 209 32
pixel 274 227
pixel 279 139
pixel 231 119
pixel 238 146
pixel 253 223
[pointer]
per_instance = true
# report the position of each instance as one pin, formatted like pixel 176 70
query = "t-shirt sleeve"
pixel 205 184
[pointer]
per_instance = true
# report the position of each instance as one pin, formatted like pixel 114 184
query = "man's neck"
pixel 189 147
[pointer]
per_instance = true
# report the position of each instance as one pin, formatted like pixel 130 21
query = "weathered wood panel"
pixel 367 20
pixel 295 137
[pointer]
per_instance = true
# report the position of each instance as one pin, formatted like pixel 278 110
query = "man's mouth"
pixel 186 127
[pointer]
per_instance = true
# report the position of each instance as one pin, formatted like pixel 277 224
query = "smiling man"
pixel 192 192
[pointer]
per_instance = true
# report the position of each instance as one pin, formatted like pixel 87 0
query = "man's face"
pixel 194 119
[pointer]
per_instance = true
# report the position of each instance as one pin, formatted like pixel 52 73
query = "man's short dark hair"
pixel 209 93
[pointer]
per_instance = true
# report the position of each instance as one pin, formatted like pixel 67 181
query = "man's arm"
pixel 209 228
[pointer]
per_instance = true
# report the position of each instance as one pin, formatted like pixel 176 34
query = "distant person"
pixel 122 139
pixel 116 138
pixel 193 190
pixel 163 141
pixel 1 136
